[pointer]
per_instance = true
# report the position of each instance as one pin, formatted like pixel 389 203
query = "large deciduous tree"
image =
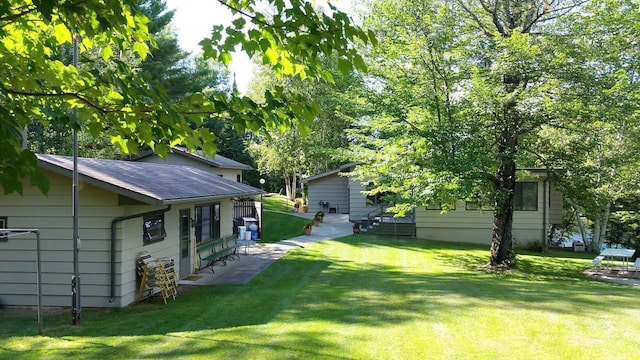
pixel 115 100
pixel 460 86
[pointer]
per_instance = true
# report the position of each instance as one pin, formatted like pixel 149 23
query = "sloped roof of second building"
pixel 149 182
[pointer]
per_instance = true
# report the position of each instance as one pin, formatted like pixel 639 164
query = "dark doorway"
pixel 185 241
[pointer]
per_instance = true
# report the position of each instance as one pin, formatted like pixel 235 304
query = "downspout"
pixel 113 244
pixel 545 187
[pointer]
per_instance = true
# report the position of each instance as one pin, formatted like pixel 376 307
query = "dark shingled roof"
pixel 148 182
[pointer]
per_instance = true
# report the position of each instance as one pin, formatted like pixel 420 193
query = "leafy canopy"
pixel 117 101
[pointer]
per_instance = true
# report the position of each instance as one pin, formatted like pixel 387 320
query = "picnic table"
pixel 622 254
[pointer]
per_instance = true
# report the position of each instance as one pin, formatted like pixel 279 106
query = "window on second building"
pixel 440 206
pixel 525 196
pixel 207 222
pixel 153 229
pixel 478 205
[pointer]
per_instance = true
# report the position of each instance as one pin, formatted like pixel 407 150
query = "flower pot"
pixel 307 231
pixel 316 223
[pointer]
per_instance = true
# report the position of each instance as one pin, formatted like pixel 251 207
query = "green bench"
pixel 217 250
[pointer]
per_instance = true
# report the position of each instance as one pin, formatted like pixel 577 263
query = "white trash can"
pixel 241 232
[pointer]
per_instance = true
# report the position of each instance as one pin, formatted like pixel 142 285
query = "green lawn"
pixel 280 223
pixel 362 297
pixel 278 226
pixel 277 202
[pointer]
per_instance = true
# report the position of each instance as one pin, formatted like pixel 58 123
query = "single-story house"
pixel 537 206
pixel 331 191
pixel 125 208
pixel 335 191
pixel 219 165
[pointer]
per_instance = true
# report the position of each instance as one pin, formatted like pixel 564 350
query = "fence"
pixel 246 209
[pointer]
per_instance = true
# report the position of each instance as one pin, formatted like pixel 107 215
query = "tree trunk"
pixel 505 183
pixel 581 226
pixel 600 228
pixel 287 187
pixel 290 182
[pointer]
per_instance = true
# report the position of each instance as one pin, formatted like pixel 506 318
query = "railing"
pixel 380 214
pixel 371 215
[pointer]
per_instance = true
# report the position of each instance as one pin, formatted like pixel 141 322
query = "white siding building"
pixel 116 200
pixel 532 219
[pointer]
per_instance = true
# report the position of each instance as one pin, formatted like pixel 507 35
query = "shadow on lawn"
pixel 301 288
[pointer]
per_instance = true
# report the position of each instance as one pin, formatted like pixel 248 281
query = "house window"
pixel 238 178
pixel 438 206
pixel 153 229
pixel 478 205
pixel 207 222
pixel 3 225
pixel 525 196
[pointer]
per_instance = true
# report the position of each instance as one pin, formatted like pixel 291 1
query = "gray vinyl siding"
pixel 358 201
pixel 332 188
pixel 53 217
pixel 555 205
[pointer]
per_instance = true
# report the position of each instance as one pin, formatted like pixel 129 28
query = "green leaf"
pixel 45 7
pixel 141 48
pixel 344 65
pixel 62 34
pixel 372 38
pixel 359 63
pixel 239 23
pixel 225 57
pixel 271 55
pixel 106 52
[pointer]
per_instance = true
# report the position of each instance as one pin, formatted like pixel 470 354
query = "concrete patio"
pixel 259 257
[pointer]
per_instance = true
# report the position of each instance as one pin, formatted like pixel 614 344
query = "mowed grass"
pixel 278 226
pixel 280 223
pixel 362 297
pixel 277 202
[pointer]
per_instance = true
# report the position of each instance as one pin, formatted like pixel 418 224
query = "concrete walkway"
pixel 260 257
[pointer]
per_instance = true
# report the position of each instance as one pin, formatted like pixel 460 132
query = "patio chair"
pixel 636 267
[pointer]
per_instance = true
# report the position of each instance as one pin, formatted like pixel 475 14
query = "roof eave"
pixel 201 199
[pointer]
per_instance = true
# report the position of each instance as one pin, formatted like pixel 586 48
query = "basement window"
pixel 153 229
